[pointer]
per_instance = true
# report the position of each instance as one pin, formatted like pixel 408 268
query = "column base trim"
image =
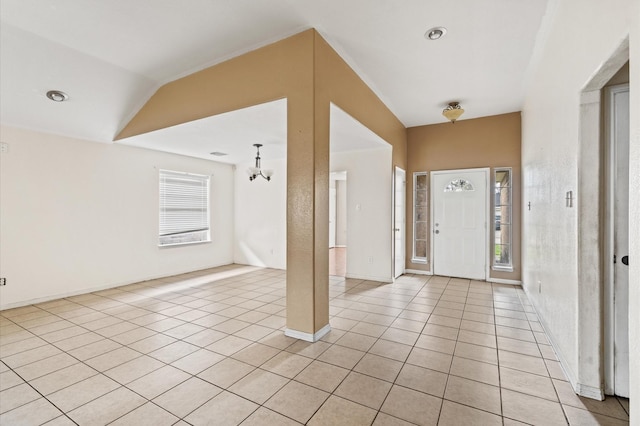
pixel 308 336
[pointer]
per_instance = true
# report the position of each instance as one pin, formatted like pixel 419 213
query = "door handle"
pixel 625 260
pixel 397 229
pixel 437 231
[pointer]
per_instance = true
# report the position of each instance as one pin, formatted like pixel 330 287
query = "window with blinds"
pixel 184 208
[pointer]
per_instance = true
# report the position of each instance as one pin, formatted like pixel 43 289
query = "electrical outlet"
pixel 4 147
pixel 3 281
pixel 370 259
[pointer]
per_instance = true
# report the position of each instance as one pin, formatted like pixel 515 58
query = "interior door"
pixel 332 217
pixel 459 217
pixel 618 104
pixel 399 197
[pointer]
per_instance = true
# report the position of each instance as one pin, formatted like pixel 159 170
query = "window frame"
pixel 205 193
pixel 414 258
pixel 496 266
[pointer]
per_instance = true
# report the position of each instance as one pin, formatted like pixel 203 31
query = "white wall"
pixel 261 217
pixel 551 147
pixel 77 216
pixel 368 211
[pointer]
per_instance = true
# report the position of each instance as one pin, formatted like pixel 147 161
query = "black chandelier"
pixel 256 171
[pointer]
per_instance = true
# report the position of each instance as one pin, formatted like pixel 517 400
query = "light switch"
pixel 569 199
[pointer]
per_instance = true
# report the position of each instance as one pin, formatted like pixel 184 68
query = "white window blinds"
pixel 184 208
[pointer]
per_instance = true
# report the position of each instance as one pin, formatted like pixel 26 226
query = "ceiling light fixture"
pixel 256 171
pixel 57 96
pixel 435 33
pixel 453 111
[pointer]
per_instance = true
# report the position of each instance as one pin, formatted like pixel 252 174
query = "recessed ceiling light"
pixel 57 96
pixel 435 33
pixel 218 153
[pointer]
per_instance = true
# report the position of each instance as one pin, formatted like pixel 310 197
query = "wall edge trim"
pixel 308 337
pixel 418 272
pixel 369 278
pixel 589 391
pixel 88 290
pixel 504 281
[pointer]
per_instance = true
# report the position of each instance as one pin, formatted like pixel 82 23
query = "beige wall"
pixel 310 74
pixel 482 142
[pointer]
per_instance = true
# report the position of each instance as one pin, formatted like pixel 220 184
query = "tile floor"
pixel 208 348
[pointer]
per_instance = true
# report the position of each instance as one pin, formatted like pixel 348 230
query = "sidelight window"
pixel 503 226
pixel 420 216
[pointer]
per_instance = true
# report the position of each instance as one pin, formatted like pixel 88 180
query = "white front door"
pixel 617 104
pixel 332 217
pixel 459 217
pixel 399 196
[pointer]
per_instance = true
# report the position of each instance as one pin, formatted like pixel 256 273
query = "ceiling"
pixel 229 134
pixel 111 56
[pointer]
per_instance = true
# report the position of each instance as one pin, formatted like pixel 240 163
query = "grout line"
pixel 392 300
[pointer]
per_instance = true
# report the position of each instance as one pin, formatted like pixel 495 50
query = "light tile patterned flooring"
pixel 208 348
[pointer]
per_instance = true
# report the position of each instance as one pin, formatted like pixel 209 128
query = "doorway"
pixel 459 217
pixel 616 146
pixel 338 224
pixel 399 218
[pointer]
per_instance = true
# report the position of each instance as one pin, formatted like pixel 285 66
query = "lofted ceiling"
pixel 111 56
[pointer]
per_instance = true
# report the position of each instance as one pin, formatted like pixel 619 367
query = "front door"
pixel 459 218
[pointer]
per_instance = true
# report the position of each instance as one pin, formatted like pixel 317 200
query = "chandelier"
pixel 453 111
pixel 256 171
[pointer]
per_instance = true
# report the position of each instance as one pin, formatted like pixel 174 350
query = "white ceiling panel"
pixel 110 56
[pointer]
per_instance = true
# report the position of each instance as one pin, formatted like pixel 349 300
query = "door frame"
pixel 333 202
pixel 609 188
pixel 487 206
pixel 587 374
pixel 403 229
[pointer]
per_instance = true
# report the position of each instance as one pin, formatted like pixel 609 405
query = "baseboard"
pixel 62 295
pixel 417 272
pixel 579 389
pixel 589 392
pixel 503 281
pixel 369 278
pixel 87 290
pixel 308 337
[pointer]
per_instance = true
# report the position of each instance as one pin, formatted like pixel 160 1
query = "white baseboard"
pixel 369 278
pixel 308 337
pixel 107 286
pixel 61 295
pixel 417 272
pixel 589 392
pixel 503 281
pixel 578 388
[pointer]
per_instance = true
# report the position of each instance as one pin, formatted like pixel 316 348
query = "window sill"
pixel 191 243
pixel 419 260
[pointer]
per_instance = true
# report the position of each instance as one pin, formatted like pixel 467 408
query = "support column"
pixel 307 221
